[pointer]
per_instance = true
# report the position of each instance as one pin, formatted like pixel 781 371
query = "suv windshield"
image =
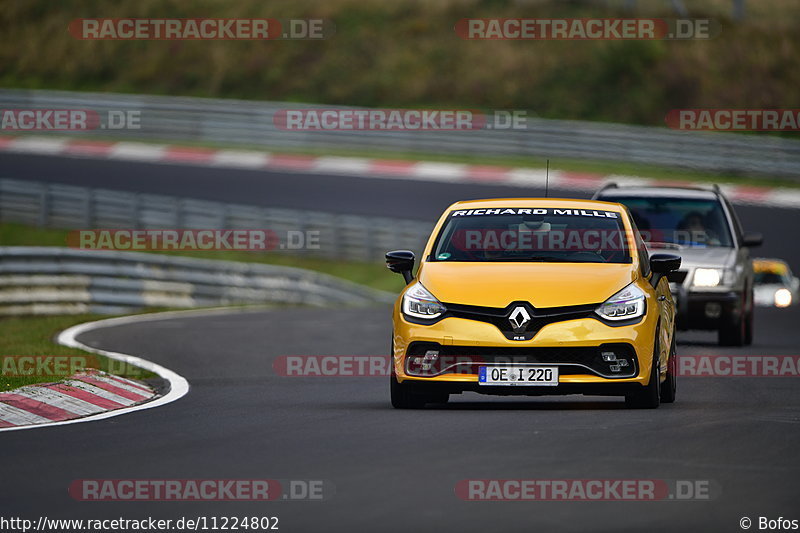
pixel 680 221
pixel 769 278
pixel 532 235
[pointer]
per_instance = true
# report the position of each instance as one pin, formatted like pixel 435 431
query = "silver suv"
pixel 713 289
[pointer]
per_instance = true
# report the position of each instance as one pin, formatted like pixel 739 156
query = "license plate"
pixel 528 376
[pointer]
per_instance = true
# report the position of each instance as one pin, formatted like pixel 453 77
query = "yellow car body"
pixel 563 294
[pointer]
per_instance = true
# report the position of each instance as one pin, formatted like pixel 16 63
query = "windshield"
pixel 679 221
pixel 769 278
pixel 532 235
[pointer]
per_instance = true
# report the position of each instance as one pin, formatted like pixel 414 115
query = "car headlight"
pixel 419 303
pixel 713 277
pixel 626 304
pixel 783 298
pixel 707 277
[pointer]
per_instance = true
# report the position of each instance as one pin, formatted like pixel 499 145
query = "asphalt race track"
pixel 397 470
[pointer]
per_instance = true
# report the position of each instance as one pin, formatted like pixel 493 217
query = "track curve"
pixel 395 470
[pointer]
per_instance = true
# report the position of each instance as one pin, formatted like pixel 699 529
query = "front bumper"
pixel 570 340
pixel 563 388
pixel 707 310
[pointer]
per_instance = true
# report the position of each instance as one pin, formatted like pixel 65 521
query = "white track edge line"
pixel 179 386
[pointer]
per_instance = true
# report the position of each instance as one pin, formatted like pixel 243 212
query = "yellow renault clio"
pixel 534 296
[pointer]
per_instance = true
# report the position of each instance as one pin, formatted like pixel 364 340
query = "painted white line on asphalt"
pixel 365 167
pixel 139 387
pixel 38 145
pixel 129 151
pixel 124 386
pixel 58 399
pixel 789 198
pixel 342 165
pixel 17 416
pixel 240 159
pixel 178 386
pixel 530 177
pixel 97 391
pixel 628 181
pixel 426 170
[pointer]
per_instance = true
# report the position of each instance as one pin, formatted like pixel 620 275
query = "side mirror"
pixel 401 262
pixel 752 239
pixel 795 283
pixel 661 265
pixel 664 263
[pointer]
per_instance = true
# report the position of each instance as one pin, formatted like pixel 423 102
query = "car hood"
pixel 541 284
pixel 700 257
pixel 769 288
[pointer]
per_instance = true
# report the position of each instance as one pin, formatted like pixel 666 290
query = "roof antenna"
pixel 547 180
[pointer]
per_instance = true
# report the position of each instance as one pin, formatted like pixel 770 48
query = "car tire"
pixel 735 334
pixel 405 396
pixel 650 395
pixel 748 328
pixel 669 386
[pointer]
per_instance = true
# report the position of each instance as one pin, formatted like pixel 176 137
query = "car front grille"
pixel 570 360
pixel 539 317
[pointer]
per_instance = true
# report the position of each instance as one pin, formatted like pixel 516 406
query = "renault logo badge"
pixel 519 318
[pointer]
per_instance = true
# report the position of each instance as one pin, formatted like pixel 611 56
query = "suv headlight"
pixel 712 277
pixel 626 304
pixel 783 298
pixel 419 303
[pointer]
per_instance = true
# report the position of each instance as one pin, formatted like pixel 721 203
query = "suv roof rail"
pixel 605 187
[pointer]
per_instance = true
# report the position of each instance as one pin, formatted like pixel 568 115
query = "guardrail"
pixel 251 123
pixel 52 280
pixel 355 238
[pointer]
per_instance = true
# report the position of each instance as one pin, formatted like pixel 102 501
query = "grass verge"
pixel 35 336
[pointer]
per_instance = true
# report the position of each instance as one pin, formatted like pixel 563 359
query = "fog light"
pixel 426 362
pixel 713 310
pixel 608 356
